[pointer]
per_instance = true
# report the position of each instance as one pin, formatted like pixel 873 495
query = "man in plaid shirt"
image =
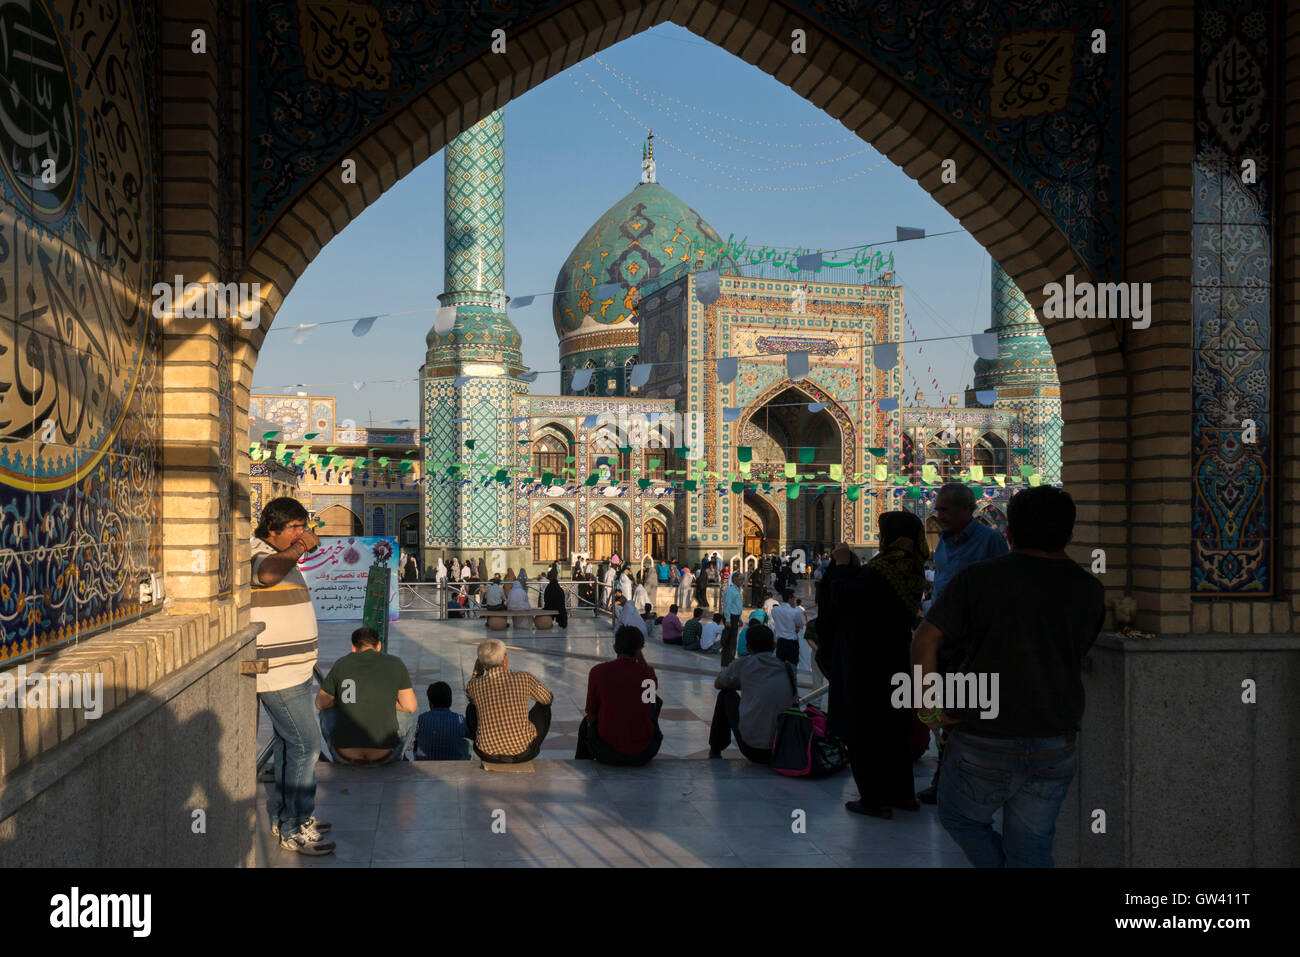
pixel 504 729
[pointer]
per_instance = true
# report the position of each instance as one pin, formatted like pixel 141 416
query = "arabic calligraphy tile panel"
pixel 1232 307
pixel 80 514
pixel 1055 126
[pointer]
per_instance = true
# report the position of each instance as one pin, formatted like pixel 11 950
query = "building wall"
pixel 80 458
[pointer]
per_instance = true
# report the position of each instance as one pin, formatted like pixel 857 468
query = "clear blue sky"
pixel 736 153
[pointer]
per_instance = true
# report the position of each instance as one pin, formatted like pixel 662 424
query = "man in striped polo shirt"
pixel 280 598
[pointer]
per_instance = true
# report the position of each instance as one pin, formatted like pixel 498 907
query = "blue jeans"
pixel 1027 777
pixel 295 747
pixel 406 724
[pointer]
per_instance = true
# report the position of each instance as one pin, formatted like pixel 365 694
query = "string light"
pixel 705 132
pixel 811 124
pixel 745 185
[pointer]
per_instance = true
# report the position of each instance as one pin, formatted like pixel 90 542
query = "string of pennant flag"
pixel 448 471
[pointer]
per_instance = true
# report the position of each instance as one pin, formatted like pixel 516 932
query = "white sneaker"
pixel 307 841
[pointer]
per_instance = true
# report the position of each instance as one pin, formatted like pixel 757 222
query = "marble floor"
pixel 681 810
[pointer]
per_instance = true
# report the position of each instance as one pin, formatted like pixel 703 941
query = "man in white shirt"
pixel 787 625
pixel 750 718
pixel 711 635
pixel 494 597
pixel 770 603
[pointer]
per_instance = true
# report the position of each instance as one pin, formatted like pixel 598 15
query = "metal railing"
pixel 815 693
pixel 433 598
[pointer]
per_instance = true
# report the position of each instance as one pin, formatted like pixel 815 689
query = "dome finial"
pixel 648 159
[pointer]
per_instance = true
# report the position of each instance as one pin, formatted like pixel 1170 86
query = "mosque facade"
pixel 658 446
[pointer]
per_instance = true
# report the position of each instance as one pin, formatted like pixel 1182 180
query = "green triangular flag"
pixel 644 483
pixel 683 451
pixel 745 453
pixel 806 454
pixel 625 449
pixel 501 476
pixel 1026 470
pixel 914 491
pixel 568 460
pixel 853 492
pixel 792 490
pixel 654 464
pixel 469 444
pixel 690 485
pixel 547 477
pixel 738 486
pixel 592 479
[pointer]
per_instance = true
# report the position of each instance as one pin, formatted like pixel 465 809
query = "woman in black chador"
pixel 864 630
pixel 553 598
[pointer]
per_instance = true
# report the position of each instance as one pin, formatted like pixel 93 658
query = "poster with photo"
pixel 336 574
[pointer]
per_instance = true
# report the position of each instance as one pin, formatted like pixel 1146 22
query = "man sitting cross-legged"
pixel 504 729
pixel 622 713
pixel 769 686
pixel 367 705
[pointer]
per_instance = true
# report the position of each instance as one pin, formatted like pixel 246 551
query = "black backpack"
pixel 801 746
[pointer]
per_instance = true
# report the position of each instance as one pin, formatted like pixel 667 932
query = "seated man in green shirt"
pixel 693 631
pixel 367 705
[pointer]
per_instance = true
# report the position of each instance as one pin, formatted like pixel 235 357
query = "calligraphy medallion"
pixel 1032 74
pixel 39 133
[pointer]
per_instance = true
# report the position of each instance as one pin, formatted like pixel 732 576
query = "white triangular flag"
pixel 304 330
pixel 590 421
pixel 529 376
pixel 986 345
pixel 358 385
pixel 796 365
pixel 444 320
pixel 640 374
pixel 581 379
pixel 707 287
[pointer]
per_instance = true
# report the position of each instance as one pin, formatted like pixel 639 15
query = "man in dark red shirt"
pixel 622 721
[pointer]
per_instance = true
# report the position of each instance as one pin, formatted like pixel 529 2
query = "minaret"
pixel 481 350
pixel 1024 375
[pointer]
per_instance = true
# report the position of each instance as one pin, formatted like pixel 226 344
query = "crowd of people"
pixel 1015 607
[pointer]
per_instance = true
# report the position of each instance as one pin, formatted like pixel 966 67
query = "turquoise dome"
pixel 646 232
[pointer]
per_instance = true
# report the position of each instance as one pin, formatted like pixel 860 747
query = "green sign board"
pixel 375 612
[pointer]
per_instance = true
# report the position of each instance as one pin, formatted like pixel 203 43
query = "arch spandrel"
pixel 909 91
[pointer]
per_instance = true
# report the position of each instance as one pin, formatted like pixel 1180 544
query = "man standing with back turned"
pixel 280 599
pixel 1028 618
pixel 962 542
